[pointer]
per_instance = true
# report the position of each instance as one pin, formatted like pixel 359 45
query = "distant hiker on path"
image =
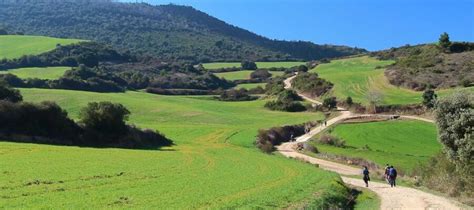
pixel 392 176
pixel 387 170
pixel 325 123
pixel 366 176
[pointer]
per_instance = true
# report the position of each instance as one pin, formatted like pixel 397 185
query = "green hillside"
pixel 14 46
pixel 357 76
pixel 166 31
pixel 402 143
pixel 215 160
pixel 50 73
pixel 245 74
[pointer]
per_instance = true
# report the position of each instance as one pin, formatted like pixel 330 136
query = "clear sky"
pixel 370 24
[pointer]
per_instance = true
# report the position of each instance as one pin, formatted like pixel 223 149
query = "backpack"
pixel 393 172
pixel 366 172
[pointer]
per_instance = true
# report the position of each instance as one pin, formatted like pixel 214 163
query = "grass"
pixel 259 64
pixel 213 165
pixel 356 76
pixel 50 73
pixel 245 74
pixel 367 200
pixel 402 143
pixel 15 46
pixel 250 85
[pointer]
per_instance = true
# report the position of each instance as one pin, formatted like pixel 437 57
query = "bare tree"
pixel 374 97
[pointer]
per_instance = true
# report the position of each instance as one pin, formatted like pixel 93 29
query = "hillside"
pixel 168 31
pixel 429 66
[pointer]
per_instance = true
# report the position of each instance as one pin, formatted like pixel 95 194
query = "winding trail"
pixel 392 198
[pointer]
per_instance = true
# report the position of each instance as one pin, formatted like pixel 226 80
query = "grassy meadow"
pixel 213 165
pixel 50 73
pixel 287 64
pixel 15 46
pixel 250 85
pixel 244 74
pixel 402 143
pixel 356 76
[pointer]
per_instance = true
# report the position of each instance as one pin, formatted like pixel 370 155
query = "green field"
pixel 259 64
pixel 356 76
pixel 50 73
pixel 213 165
pixel 14 46
pixel 250 85
pixel 402 143
pixel 245 74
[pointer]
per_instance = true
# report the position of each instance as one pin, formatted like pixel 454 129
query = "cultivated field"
pixel 356 76
pixel 403 143
pixel 50 73
pixel 214 163
pixel 14 46
pixel 259 64
pixel 238 75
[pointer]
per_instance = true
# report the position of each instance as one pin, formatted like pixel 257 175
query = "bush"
pixel 291 106
pixel 275 86
pixel 260 74
pixel 10 94
pixel 330 103
pixel 267 139
pixel 236 95
pixel 289 96
pixel 248 65
pixel 310 83
pixel 332 140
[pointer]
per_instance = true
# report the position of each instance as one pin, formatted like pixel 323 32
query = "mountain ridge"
pixel 167 31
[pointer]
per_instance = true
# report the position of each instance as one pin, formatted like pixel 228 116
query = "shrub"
pixel 291 106
pixel 310 83
pixel 267 139
pixel 332 140
pixel 260 74
pixel 236 95
pixel 248 65
pixel 330 103
pixel 10 94
pixel 289 96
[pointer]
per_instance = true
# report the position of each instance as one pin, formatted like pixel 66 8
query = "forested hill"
pixel 166 31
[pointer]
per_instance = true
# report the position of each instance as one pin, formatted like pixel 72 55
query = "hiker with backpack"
pixel 392 176
pixel 366 176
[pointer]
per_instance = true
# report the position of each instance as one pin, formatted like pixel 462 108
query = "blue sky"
pixel 370 24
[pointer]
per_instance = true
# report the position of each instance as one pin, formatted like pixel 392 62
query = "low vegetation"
pixel 236 95
pixel 269 138
pixel 311 84
pixel 288 100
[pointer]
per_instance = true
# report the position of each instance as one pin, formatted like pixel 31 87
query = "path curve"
pixel 391 198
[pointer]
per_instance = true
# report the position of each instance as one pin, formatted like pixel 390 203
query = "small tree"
pixel 302 68
pixel 349 101
pixel 248 65
pixel 260 74
pixel 105 117
pixel 374 98
pixel 444 41
pixel 330 103
pixel 10 94
pixel 429 98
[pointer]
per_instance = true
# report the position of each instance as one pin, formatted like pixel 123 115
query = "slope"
pixel 13 46
pixel 168 31
pixel 214 164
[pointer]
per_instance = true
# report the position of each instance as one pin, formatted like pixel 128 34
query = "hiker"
pixel 366 176
pixel 325 123
pixel 291 138
pixel 387 169
pixel 392 176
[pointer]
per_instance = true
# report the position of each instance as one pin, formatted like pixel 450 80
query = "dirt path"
pixel 392 198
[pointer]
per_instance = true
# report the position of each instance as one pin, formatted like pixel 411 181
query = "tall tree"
pixel 374 98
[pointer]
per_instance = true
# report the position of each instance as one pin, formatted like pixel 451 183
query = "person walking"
pixel 387 170
pixel 366 177
pixel 393 176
